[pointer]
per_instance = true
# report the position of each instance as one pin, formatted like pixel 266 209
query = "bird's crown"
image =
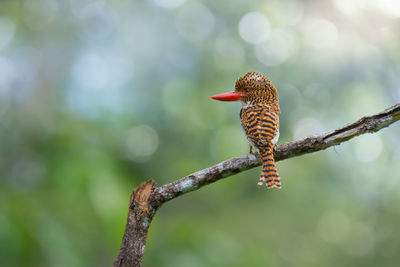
pixel 252 80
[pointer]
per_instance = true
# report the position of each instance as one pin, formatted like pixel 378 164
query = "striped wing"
pixel 261 124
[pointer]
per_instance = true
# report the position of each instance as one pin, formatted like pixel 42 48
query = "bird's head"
pixel 252 88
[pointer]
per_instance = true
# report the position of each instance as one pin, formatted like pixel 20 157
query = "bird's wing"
pixel 260 123
pixel 268 125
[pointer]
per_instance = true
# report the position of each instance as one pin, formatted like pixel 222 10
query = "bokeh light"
pixel 254 27
pixel 140 143
pixel 291 12
pixel 276 49
pixel 91 71
pixel 368 148
pixel 319 33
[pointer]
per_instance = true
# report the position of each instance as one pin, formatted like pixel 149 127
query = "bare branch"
pixel 293 149
pixel 147 198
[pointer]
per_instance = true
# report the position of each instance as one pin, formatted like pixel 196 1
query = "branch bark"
pixel 147 198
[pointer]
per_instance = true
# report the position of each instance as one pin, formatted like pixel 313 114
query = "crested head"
pixel 252 79
pixel 259 90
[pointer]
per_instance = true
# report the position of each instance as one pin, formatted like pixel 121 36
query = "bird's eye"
pixel 247 90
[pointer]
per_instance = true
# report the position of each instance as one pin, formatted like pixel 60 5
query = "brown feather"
pixel 260 121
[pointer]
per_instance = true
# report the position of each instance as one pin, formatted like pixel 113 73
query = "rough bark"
pixel 140 215
pixel 147 198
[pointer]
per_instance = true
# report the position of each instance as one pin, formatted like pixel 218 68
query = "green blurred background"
pixel 97 96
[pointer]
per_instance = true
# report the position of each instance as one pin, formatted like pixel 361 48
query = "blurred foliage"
pixel 97 96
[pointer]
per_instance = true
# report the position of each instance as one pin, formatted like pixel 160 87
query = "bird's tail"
pixel 269 174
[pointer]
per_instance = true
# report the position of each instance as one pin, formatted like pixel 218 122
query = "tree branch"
pixel 141 213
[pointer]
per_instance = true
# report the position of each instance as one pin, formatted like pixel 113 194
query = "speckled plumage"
pixel 260 121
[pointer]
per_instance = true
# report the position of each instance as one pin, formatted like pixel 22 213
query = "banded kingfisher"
pixel 259 119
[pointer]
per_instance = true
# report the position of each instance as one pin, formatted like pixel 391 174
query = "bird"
pixel 259 118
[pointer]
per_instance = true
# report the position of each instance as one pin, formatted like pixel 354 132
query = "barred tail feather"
pixel 269 174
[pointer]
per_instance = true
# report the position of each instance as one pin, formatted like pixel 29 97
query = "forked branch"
pixel 147 198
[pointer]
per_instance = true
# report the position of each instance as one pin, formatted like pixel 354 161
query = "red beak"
pixel 231 96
